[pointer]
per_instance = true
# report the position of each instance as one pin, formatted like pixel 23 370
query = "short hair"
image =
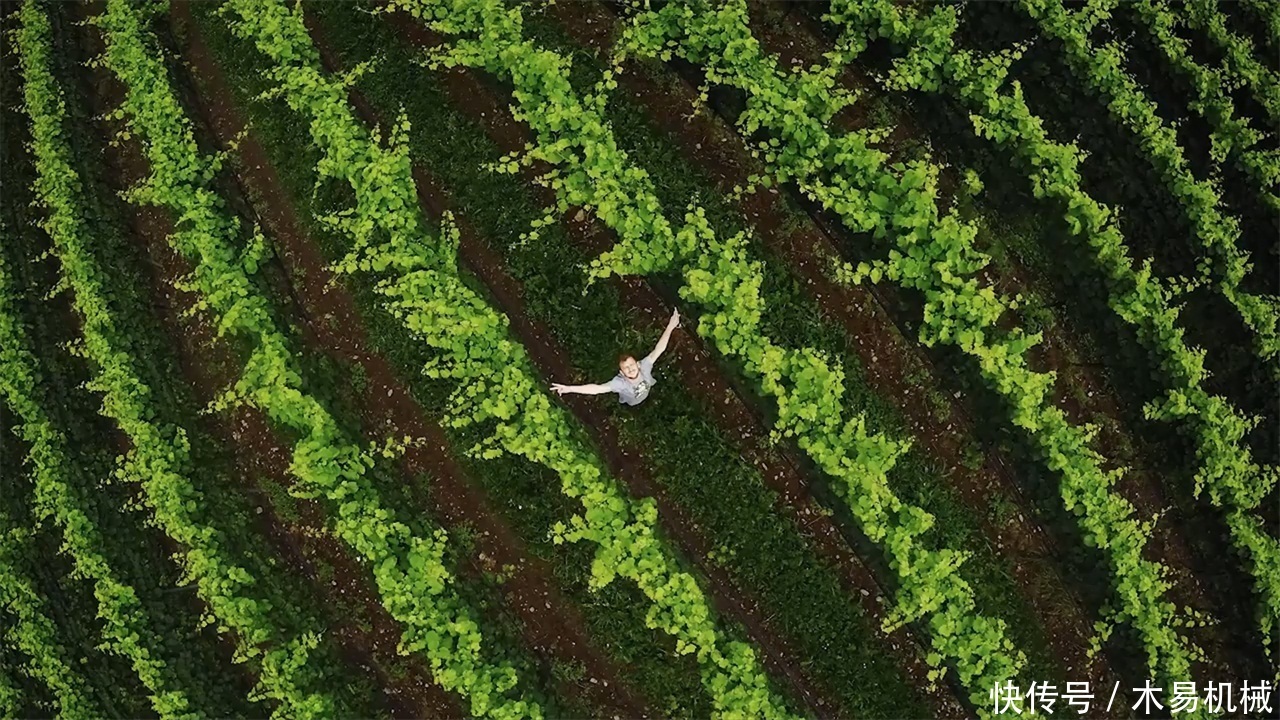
pixel 625 357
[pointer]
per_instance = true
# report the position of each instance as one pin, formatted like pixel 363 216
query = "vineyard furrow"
pixel 591 171
pixel 934 255
pixel 1238 55
pixel 1235 483
pixel 420 279
pixel 413 582
pixel 32 632
pixel 1102 69
pixel 1232 135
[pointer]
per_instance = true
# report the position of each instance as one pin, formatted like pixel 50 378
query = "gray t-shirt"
pixel 633 392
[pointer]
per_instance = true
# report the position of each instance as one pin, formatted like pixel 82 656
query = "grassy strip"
pixel 525 493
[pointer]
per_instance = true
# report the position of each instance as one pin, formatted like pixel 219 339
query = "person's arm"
pixel 592 389
pixel 661 347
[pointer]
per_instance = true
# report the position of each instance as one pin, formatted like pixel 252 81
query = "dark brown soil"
pixel 551 625
pixel 208 365
pixel 702 378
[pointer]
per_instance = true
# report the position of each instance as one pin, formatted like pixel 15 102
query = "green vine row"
pixel 1225 467
pixel 159 459
pixel 1102 70
pixel 126 627
pixel 1240 60
pixel 935 255
pixel 33 633
pixel 1231 135
pixel 420 280
pixel 413 582
pixel 590 170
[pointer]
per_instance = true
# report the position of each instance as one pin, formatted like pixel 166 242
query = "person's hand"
pixel 559 389
pixel 674 322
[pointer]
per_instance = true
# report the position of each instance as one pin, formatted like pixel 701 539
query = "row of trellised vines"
pixel 590 170
pixel 933 254
pixel 1226 469
pixel 159 459
pixel 413 582
pixel 419 279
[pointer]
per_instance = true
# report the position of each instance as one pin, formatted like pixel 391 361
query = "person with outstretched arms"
pixel 634 380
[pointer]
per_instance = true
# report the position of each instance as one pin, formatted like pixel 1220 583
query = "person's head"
pixel 629 367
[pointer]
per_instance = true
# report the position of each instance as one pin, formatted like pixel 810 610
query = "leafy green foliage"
pixel 412 579
pixel 1231 136
pixel 32 631
pixel 588 169
pixel 1240 60
pixel 1102 70
pixel 1269 14
pixel 159 458
pixel 11 700
pixel 126 628
pixel 932 254
pixel 1226 469
pixel 495 379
